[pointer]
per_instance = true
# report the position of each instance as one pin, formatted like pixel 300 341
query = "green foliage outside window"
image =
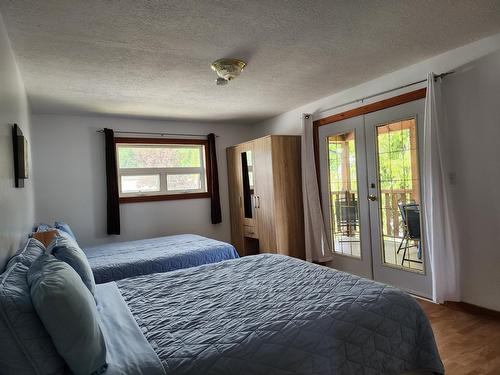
pixel 158 157
pixel 394 158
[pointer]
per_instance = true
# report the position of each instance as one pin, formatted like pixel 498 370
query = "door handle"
pixel 372 197
pixel 258 201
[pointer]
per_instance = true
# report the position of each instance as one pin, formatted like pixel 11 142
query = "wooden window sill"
pixel 166 197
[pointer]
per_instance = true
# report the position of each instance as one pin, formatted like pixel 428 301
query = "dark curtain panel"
pixel 214 181
pixel 113 203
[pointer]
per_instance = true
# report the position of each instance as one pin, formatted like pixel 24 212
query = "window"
pixel 161 169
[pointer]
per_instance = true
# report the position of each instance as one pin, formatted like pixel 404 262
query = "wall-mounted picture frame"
pixel 20 147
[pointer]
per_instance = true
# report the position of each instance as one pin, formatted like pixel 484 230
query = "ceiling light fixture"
pixel 227 69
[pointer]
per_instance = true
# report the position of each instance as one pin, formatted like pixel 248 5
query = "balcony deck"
pixel 392 226
pixel 351 247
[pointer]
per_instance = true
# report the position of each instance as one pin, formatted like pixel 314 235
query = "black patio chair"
pixel 410 215
pixel 346 212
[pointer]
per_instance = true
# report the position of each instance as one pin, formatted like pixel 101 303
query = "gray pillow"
pixel 25 346
pixel 68 251
pixel 69 314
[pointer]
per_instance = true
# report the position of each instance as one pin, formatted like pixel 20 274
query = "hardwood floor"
pixel 469 344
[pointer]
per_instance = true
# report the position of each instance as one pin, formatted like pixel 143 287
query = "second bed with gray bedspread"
pixel 269 314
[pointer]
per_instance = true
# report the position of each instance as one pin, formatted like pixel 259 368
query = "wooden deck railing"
pixel 390 215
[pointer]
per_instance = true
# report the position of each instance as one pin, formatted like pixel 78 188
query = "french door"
pixel 371 196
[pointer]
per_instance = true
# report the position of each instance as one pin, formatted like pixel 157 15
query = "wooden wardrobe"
pixel 265 194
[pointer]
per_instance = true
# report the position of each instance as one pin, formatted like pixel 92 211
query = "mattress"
pixel 271 314
pixel 116 261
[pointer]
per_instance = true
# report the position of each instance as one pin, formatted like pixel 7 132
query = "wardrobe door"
pixel 235 197
pixel 264 194
pixel 288 204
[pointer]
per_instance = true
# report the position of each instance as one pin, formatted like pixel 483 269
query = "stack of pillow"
pixel 48 316
pixel 60 228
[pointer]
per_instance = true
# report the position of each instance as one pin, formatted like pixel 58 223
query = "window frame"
pixel 163 197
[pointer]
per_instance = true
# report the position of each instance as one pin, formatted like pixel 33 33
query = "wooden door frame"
pixel 363 110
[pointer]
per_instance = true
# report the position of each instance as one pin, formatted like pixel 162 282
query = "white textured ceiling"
pixel 152 58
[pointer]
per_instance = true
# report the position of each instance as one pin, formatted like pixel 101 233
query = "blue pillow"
pixel 28 254
pixel 68 251
pixel 65 228
pixel 42 227
pixel 67 236
pixel 25 345
pixel 69 314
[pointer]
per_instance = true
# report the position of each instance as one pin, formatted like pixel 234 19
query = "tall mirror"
pixel 247 171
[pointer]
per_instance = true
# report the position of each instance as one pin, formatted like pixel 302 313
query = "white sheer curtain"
pixel 438 218
pixel 316 240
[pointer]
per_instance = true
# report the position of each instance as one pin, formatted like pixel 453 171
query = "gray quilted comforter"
pixel 270 314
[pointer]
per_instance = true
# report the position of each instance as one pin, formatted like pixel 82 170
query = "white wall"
pixel 473 108
pixel 473 105
pixel 69 172
pixel 16 205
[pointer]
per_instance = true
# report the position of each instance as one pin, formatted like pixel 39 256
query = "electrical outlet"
pixel 452 178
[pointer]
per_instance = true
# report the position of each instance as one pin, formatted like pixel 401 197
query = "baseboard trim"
pixel 472 309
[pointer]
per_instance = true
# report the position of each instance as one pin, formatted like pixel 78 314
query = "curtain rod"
pixel 436 76
pixel 163 134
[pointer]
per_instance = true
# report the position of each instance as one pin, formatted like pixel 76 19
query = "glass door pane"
pixel 396 210
pixel 399 203
pixel 343 194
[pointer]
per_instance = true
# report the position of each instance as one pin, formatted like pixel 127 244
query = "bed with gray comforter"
pixel 270 314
